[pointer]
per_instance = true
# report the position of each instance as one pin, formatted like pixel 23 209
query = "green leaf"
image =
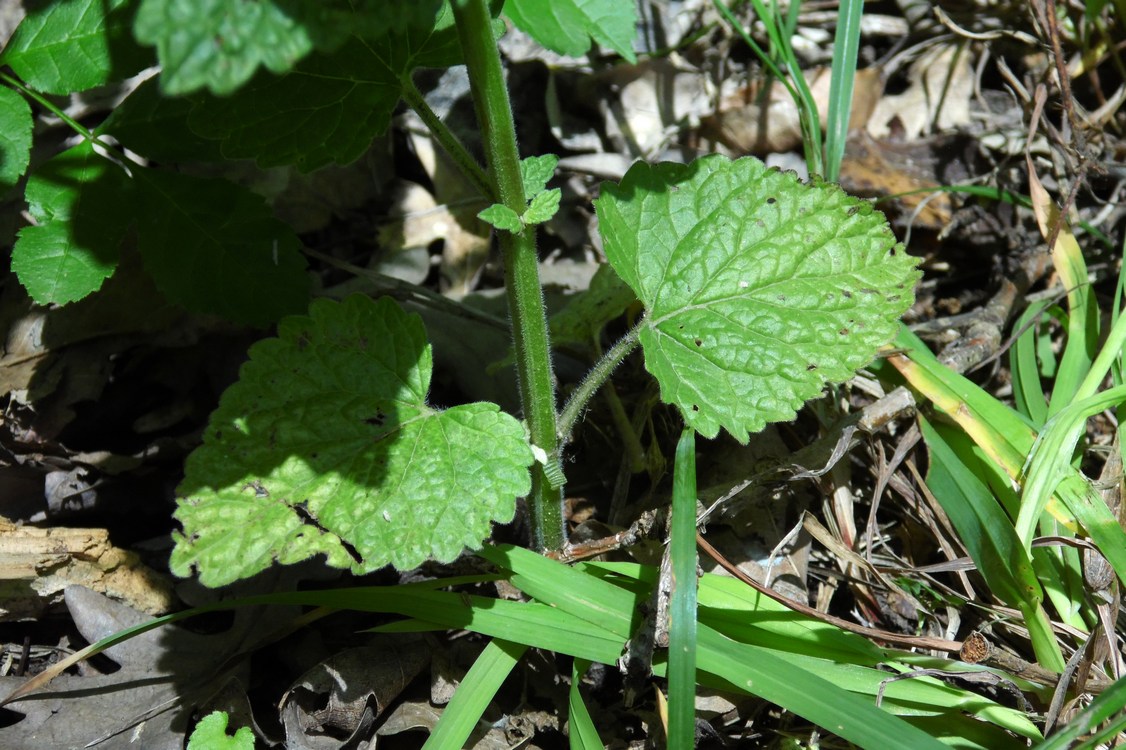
pixel 214 247
pixel 326 446
pixel 75 199
pixel 55 269
pixel 15 137
pixel 566 26
pixel 156 127
pixel 542 207
pixel 535 171
pixel 759 289
pixel 210 245
pixel 73 45
pixel 219 44
pixel 211 734
pixel 329 107
pixel 502 217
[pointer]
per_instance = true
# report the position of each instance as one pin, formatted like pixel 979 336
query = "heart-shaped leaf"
pixel 326 446
pixel 759 288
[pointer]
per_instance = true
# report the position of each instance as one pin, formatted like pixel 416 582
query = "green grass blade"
pixel 1005 438
pixel 1049 459
pixel 1028 390
pixel 1012 574
pixel 583 734
pixel 1116 315
pixel 1082 309
pixel 600 603
pixel 761 672
pixel 1110 353
pixel 841 83
pixel 531 623
pixel 473 695
pixel 847 660
pixel 745 667
pixel 983 527
pixel 682 599
pixel 1105 707
pixel 792 77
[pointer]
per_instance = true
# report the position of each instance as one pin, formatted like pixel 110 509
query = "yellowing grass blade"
pixel 1007 439
pixel 1083 322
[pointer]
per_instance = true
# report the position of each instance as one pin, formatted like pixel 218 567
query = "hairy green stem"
pixel 448 140
pixel 521 264
pixel 594 380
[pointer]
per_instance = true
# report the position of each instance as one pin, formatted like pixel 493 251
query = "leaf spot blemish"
pixel 843 332
pixel 846 294
pixel 695 408
pixel 771 201
pixel 697 342
pixel 378 420
pixel 810 367
pixel 744 284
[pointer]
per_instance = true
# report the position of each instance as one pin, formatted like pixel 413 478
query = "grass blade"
pixel 988 536
pixel 1109 703
pixel 1049 459
pixel 1005 437
pixel 758 671
pixel 474 694
pixel 792 77
pixel 682 599
pixel 1083 313
pixel 599 603
pixel 841 83
pixel 583 735
pixel 1028 390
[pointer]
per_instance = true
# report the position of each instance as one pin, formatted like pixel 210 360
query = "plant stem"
pixel 50 107
pixel 594 380
pixel 521 264
pixel 448 140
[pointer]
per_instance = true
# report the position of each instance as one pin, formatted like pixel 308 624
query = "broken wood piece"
pixel 36 564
